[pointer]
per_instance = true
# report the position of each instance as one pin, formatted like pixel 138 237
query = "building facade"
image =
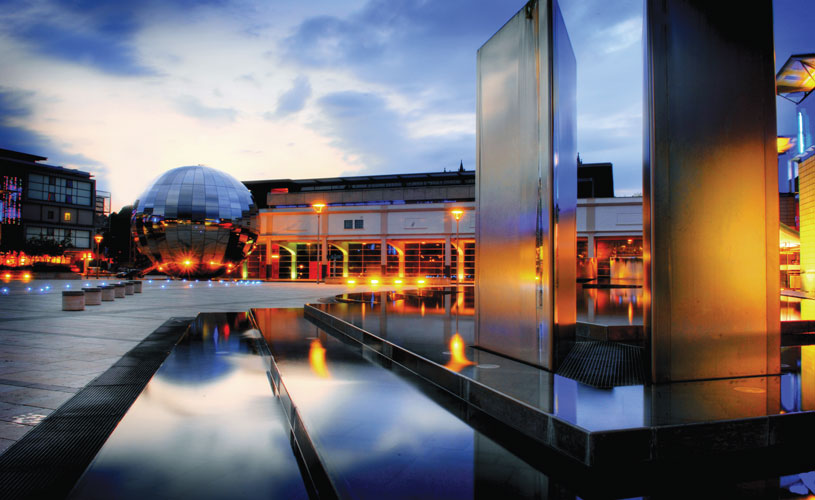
pixel 409 227
pixel 43 202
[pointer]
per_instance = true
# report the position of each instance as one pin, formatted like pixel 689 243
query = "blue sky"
pixel 274 89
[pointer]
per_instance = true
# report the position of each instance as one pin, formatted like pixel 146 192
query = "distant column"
pixel 383 256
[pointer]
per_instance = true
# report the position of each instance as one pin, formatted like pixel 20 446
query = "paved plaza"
pixel 47 355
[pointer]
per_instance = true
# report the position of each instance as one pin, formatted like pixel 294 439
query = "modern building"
pixel 44 201
pixel 384 227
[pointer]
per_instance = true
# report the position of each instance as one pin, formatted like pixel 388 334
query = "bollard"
pixel 73 301
pixel 137 286
pixel 93 296
pixel 108 293
pixel 128 287
pixel 119 290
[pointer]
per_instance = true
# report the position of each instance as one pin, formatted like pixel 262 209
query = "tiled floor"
pixel 47 355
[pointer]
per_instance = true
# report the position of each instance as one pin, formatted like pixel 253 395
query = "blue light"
pixel 5 291
pixel 800 133
pixel 28 289
pixel 67 285
pixel 163 286
pixel 47 287
pixel 150 281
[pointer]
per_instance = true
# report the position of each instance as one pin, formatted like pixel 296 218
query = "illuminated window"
pixel 67 217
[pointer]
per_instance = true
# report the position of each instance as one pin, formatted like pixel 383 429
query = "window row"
pixel 353 224
pixel 58 189
pixel 78 238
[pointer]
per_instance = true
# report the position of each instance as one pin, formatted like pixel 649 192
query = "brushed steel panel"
pixel 508 179
pixel 527 188
pixel 564 161
pixel 710 195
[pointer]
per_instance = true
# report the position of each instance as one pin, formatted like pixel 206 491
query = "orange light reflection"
pixel 458 360
pixel 316 358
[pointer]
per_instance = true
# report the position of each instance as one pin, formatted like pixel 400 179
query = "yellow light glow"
pixel 374 282
pixel 784 144
pixel 457 213
pixel 351 282
pixel 398 282
pixel 458 359
pixel 318 207
pixel 316 358
pixel 187 263
pixel 421 282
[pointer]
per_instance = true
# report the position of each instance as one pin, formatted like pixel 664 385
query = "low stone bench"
pixel 128 287
pixel 136 286
pixel 108 293
pixel 73 300
pixel 119 290
pixel 93 296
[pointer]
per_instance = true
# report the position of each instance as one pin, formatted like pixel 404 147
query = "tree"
pixel 42 245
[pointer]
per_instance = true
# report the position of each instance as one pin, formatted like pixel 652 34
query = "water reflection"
pixel 430 323
pixel 316 358
pixel 458 359
pixel 205 426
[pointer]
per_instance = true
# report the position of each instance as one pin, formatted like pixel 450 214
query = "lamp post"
pixel 318 207
pixel 457 213
pixel 98 240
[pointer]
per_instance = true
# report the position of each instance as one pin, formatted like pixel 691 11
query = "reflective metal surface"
pixel 564 175
pixel 195 221
pixel 710 191
pixel 526 161
pixel 206 426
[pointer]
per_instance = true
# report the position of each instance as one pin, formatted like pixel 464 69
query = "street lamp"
pixel 457 213
pixel 98 240
pixel 318 207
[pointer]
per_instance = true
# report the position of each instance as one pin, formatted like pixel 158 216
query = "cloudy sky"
pixel 290 89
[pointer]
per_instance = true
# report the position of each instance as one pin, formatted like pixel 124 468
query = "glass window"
pixel 358 223
pixel 348 224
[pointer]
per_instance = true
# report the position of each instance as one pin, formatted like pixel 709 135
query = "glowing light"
pixel 458 359
pixel 351 282
pixel 187 263
pixel 7 275
pixel 26 276
pixel 398 282
pixel 318 207
pixel 421 282
pixel 784 144
pixel 457 213
pixel 374 282
pixel 316 358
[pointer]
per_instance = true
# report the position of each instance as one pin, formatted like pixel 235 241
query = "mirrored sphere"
pixel 195 222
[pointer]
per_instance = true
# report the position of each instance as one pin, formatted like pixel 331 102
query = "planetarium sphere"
pixel 195 222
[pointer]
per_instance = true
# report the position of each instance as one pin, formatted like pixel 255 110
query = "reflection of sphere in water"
pixel 194 221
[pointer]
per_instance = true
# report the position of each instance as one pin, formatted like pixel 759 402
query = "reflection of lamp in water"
pixel 458 359
pixel 316 358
